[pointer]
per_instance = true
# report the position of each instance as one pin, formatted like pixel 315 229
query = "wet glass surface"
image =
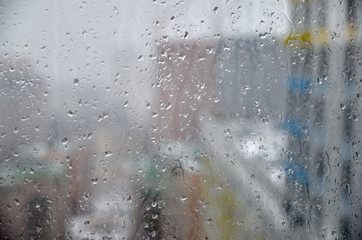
pixel 180 120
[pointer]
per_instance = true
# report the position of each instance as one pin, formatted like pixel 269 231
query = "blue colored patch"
pixel 304 177
pixel 295 127
pixel 296 172
pixel 299 83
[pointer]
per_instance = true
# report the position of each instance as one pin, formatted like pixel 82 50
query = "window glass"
pixel 180 119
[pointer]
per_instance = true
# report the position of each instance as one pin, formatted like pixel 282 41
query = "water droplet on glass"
pixel 94 180
pixel 227 131
pixel 108 153
pixel 154 204
pixel 65 141
pixel 70 113
pixel 168 106
pixel 183 198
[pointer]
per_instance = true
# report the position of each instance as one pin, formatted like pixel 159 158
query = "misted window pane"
pixel 180 119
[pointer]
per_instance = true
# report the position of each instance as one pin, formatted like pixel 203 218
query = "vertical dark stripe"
pixel 319 155
pixel 349 79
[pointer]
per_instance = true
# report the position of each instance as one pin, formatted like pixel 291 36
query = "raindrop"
pixel 216 99
pixel 102 117
pixel 154 204
pixel 227 131
pixel 65 141
pixel 241 223
pixel 70 113
pixel 183 198
pixel 263 35
pixel 94 180
pixel 168 106
pixel 108 153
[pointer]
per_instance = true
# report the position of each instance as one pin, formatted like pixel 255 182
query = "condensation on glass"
pixel 180 119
